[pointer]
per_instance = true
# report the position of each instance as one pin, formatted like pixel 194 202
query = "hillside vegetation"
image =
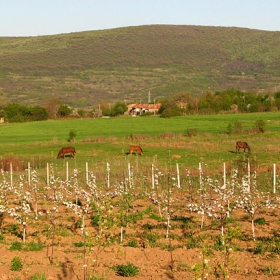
pixel 126 63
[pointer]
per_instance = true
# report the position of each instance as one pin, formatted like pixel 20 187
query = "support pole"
pixel 274 178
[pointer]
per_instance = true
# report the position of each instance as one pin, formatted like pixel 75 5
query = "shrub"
pixel 32 246
pixel 79 223
pixel 171 112
pixel 91 277
pixel 95 220
pixel 132 243
pixel 79 244
pixel 126 270
pixel 152 238
pixel 190 132
pixel 38 276
pixel 21 113
pixel 16 246
pixel 118 109
pixel 16 264
pixel 81 113
pixel 259 249
pixel 72 135
pixel 260 221
pixel 64 111
pixel 235 128
pixel 229 128
pixel 238 127
pixel 260 126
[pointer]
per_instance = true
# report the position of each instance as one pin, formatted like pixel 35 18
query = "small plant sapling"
pixel 205 204
pixel 155 194
pixel 220 208
pixel 201 270
pixel 34 187
pixel 21 211
pixel 221 269
pixel 56 186
pixel 252 201
pixel 5 187
pixel 81 210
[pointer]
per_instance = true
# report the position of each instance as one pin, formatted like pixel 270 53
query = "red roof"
pixel 145 106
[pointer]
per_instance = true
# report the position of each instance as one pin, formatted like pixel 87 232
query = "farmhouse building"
pixel 139 109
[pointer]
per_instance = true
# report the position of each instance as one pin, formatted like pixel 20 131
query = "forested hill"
pixel 128 63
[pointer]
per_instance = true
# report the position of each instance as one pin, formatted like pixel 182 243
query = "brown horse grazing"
pixel 242 145
pixel 136 149
pixel 66 151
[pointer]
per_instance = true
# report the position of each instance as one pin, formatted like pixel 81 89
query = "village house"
pixel 139 109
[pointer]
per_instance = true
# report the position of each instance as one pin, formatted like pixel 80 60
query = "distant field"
pixel 164 141
pixel 122 127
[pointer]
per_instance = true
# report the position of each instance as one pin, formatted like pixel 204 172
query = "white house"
pixel 139 109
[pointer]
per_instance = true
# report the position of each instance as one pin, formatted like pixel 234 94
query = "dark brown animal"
pixel 136 149
pixel 242 145
pixel 66 151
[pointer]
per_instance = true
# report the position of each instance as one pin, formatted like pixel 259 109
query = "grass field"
pixel 164 141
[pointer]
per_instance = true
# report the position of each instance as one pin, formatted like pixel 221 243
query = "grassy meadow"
pixel 165 142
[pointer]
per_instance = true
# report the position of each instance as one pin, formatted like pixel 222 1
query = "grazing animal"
pixel 66 151
pixel 242 145
pixel 136 149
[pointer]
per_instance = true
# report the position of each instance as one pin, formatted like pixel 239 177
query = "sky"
pixel 50 17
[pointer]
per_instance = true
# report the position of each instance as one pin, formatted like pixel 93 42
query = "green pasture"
pixel 165 141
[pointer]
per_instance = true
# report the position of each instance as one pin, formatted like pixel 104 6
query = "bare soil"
pixel 167 258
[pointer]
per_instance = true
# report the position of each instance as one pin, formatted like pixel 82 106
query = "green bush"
pixel 260 221
pixel 94 220
pixel 171 112
pixel 38 276
pixel 238 127
pixel 16 246
pixel 132 243
pixel 2 237
pixel 259 249
pixel 32 246
pixel 126 270
pixel 20 113
pixel 16 264
pixel 72 135
pixel 13 228
pixel 79 244
pixel 260 126
pixel 191 132
pixel 64 111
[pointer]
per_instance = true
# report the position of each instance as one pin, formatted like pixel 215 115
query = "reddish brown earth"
pixel 153 261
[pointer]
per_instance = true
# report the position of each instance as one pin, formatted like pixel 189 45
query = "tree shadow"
pixel 68 272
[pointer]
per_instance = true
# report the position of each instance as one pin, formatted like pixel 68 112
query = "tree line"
pixel 230 100
pixel 14 112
